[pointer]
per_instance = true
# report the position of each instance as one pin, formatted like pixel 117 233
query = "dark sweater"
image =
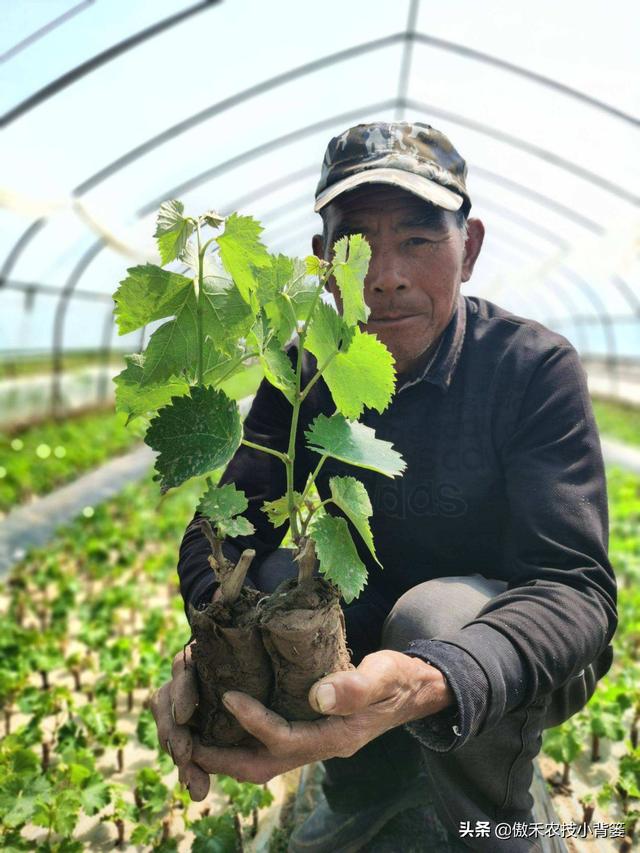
pixel 504 478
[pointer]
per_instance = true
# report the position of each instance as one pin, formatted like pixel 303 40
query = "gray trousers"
pixel 487 779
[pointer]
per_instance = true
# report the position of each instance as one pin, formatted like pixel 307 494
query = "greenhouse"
pixel 158 205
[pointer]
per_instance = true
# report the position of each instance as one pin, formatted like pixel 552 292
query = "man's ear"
pixel 317 244
pixel 472 246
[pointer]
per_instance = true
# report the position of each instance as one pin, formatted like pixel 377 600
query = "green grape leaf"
pixel 241 252
pixel 354 443
pixel 212 218
pixel 216 365
pixel 278 370
pixel 174 346
pixel 222 502
pixel 148 293
pixel 260 331
pixel 312 265
pixel 21 804
pixel 146 730
pixel 273 279
pixel 137 401
pixel 350 264
pixel 95 797
pixel 351 497
pixel 278 511
pixel 339 560
pixel 193 435
pixel 302 293
pixel 272 285
pixel 327 333
pixel 238 526
pixel 172 230
pixel 362 376
pixel 214 834
pixel 226 316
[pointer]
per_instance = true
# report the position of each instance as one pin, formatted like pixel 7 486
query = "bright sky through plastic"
pixel 550 174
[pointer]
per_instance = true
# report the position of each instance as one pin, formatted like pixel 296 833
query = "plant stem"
pixel 235 363
pixel 311 482
pixel 233 582
pixel 312 513
pixel 216 547
pixel 200 367
pixel 318 374
pixel 283 457
pixel 306 563
pixel 595 747
pixel 297 402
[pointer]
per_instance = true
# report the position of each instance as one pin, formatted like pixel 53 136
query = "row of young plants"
pixel 38 459
pixel 611 719
pixel 618 420
pixel 79 657
pixel 42 363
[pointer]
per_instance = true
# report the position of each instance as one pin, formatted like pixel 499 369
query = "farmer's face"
pixel 419 257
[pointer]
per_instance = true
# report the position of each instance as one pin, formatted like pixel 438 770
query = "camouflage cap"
pixel 415 157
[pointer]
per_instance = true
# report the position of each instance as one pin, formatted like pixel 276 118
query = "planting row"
pixel 36 460
pixel 79 760
pixel 601 742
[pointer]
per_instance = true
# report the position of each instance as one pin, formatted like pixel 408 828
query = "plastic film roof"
pixel 112 107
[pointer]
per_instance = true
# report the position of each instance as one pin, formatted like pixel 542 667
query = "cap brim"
pixel 416 184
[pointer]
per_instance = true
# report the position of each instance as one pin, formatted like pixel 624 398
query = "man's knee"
pixel 437 609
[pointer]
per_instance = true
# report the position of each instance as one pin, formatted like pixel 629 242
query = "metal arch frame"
pixel 45 28
pixel 301 71
pixel 99 59
pixel 409 36
pixel 93 251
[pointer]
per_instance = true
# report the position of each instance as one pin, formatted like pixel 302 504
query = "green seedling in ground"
pixel 564 744
pixel 604 715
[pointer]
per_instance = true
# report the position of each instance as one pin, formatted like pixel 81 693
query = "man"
pixel 493 615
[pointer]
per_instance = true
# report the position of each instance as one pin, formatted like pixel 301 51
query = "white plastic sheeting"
pixel 231 107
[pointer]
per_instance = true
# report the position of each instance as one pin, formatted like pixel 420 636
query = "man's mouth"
pixel 388 319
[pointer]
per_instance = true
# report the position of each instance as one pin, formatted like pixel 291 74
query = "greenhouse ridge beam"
pixel 37 287
pixel 529 148
pixel 264 148
pixel 407 55
pixel 549 82
pixel 101 59
pixel 44 30
pixel 274 82
pixel 233 101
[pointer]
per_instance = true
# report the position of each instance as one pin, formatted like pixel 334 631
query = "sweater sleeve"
pixel 558 612
pixel 261 477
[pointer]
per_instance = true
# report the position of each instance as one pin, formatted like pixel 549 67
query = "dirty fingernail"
pixel 326 697
pixel 228 702
pixel 170 750
pixel 173 710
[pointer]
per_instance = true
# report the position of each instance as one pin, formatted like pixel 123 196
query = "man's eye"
pixel 418 241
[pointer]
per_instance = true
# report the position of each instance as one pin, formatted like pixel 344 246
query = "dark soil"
pixel 304 635
pixel 229 655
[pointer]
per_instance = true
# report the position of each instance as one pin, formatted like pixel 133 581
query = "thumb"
pixel 343 693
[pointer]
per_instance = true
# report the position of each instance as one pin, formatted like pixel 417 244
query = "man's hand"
pixel 172 707
pixel 387 689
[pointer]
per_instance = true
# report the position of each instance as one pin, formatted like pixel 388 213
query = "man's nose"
pixel 385 273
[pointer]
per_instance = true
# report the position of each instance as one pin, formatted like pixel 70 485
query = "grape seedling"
pixel 233 305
